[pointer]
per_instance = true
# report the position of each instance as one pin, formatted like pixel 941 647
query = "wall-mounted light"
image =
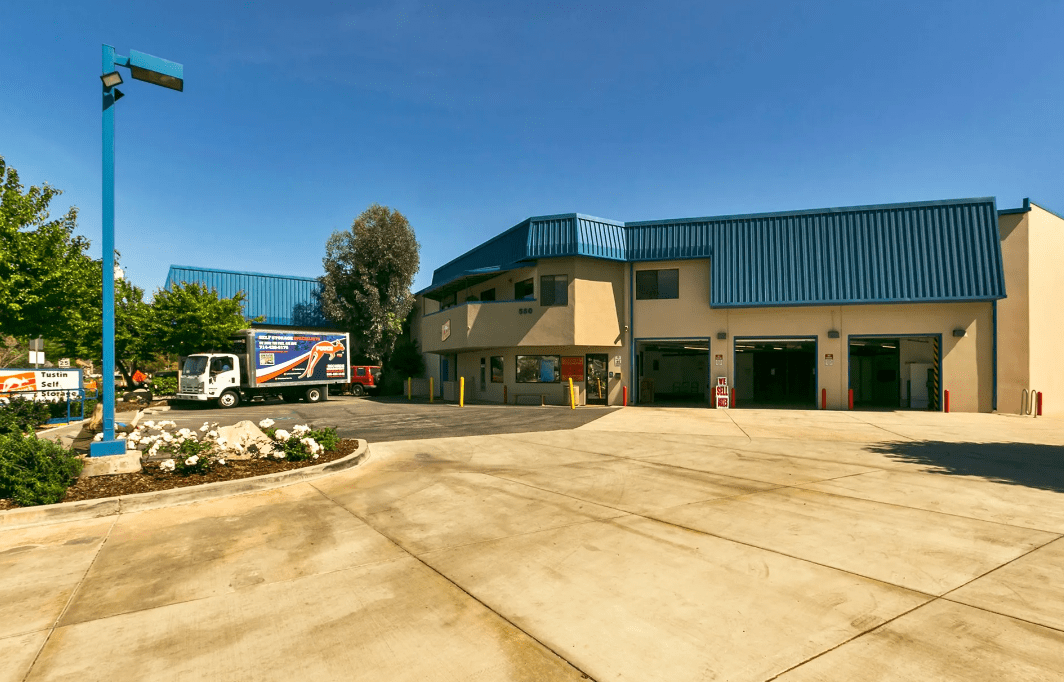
pixel 722 335
pixel 960 332
pixel 833 333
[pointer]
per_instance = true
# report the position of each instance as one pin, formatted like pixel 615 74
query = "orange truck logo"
pixel 320 350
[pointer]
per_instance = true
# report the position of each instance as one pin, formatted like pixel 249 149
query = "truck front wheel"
pixel 228 399
pixel 315 394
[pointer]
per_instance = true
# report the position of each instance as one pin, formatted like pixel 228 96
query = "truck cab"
pixel 211 376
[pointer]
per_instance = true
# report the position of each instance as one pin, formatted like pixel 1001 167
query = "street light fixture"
pixel 168 74
pixel 111 79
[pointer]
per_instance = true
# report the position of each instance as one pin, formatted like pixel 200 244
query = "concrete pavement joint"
pixel 933 599
pixel 851 639
pixel 456 585
pixel 728 412
pixel 905 506
pixel 649 517
pixel 70 599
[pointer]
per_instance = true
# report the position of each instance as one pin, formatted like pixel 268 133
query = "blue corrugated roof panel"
pixel 282 299
pixel 930 251
pixel 916 252
pixel 504 250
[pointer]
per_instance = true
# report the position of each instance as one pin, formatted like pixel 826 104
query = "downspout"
pixel 993 359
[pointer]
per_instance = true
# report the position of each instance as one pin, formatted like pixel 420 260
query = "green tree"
pixel 368 272
pixel 45 275
pixel 135 340
pixel 191 318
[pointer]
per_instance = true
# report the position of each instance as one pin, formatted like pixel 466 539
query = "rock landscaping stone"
pixel 250 437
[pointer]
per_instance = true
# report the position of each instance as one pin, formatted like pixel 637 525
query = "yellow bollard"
pixel 432 393
pixel 410 388
pixel 461 391
pixel 572 394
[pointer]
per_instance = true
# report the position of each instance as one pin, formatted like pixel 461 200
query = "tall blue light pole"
pixel 169 75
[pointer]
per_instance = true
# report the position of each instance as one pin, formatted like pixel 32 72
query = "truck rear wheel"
pixel 357 390
pixel 228 399
pixel 315 394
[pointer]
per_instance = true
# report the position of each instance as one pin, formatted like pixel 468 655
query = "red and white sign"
pixel 722 394
pixel 40 384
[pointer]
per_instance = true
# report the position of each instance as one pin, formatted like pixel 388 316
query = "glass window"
pixel 194 366
pixel 652 284
pixel 536 369
pixel 496 370
pixel 554 290
pixel 360 371
pixel 524 290
pixel 488 295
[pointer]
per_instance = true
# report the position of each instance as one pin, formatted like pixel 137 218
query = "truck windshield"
pixel 194 366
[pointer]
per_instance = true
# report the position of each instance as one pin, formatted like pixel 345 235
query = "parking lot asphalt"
pixel 647 544
pixel 380 420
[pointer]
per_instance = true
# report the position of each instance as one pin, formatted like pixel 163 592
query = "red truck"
pixel 365 379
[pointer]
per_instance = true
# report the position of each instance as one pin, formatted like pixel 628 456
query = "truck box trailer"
pixel 286 363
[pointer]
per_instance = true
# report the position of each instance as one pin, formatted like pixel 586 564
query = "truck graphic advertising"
pixel 299 356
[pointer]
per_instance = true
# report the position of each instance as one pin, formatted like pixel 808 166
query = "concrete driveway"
pixel 648 544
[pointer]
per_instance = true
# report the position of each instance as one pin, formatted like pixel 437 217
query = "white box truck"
pixel 290 364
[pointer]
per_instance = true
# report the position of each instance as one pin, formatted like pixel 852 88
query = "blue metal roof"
pixel 912 252
pixel 284 300
pixel 920 252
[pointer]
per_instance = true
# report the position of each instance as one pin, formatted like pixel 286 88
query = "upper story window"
pixel 524 290
pixel 651 284
pixel 554 290
pixel 488 294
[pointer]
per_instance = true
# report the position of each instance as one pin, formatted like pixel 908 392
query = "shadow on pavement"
pixel 1026 464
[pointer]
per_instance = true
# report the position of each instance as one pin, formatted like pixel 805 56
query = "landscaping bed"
pixel 152 478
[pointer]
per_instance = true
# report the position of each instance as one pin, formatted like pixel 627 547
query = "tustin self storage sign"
pixel 40 384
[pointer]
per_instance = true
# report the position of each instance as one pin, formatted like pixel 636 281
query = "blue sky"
pixel 469 117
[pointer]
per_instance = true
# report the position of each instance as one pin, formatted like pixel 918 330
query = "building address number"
pixel 524 311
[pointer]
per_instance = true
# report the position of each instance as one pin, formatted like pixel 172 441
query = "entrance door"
pixel 597 368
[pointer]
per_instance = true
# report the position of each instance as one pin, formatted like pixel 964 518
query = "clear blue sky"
pixel 469 117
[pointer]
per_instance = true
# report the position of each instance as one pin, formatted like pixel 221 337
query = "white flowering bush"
pixel 196 451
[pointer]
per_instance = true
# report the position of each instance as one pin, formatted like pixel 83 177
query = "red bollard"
pixel 625 393
pixel 851 398
pixel 823 398
pixel 1038 404
pixel 947 401
pixel 731 401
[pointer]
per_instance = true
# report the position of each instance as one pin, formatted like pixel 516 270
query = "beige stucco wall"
pixel 1046 262
pixel 967 363
pixel 1014 357
pixel 597 316
pixel 469 367
pixel 592 316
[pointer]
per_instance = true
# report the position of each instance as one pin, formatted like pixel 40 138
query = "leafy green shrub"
pixel 190 457
pixel 164 386
pixel 35 471
pixel 326 438
pixel 19 415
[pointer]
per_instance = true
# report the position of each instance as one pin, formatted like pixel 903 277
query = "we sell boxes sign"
pixel 40 384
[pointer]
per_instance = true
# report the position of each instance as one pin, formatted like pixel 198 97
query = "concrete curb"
pixel 110 506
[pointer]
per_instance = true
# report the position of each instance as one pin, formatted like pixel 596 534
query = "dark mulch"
pixel 152 478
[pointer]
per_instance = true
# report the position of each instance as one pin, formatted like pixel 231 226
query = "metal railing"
pixel 71 396
pixel 1027 402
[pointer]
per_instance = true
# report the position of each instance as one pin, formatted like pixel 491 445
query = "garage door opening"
pixel 895 373
pixel 775 373
pixel 673 372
